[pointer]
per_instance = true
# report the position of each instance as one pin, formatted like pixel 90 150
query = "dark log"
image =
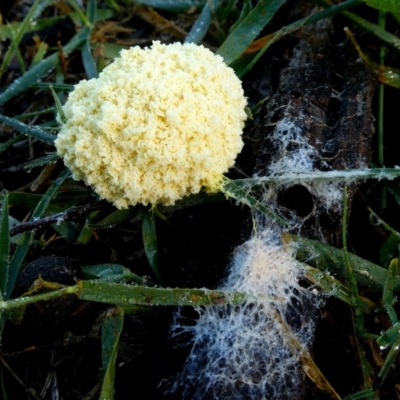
pixel 312 81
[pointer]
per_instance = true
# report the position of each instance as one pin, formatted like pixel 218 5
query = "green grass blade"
pixel 364 394
pixel 115 273
pixel 394 189
pixel 26 300
pixel 81 15
pixel 385 5
pixel 200 27
pixel 29 130
pixel 61 202
pixel 58 105
pixel 15 48
pixel 34 26
pixel 17 260
pixel 243 65
pixel 24 116
pixel 380 221
pixel 348 176
pixel 4 246
pixel 10 142
pixel 41 69
pixel 389 360
pixel 48 196
pixel 150 241
pixel 40 8
pixel 56 86
pixel 396 17
pixel 3 385
pixel 50 158
pixel 388 249
pixel 91 11
pixel 18 36
pixel 27 237
pixel 41 52
pixel 238 41
pixel 108 272
pixel 388 290
pixel 335 288
pixel 330 259
pixel 386 75
pixel 173 6
pixel 115 218
pixel 128 295
pixel 389 336
pixel 358 319
pixel 244 12
pixel 110 336
pixel 6 31
pixel 376 30
pixel 87 58
pixel 359 315
pixel 238 192
pixel 88 61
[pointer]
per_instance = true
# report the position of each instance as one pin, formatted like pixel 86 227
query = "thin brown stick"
pixel 70 214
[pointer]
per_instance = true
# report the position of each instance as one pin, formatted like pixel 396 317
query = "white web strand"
pixel 240 351
pixel 244 352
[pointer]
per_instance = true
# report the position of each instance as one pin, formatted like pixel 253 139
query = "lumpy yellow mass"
pixel 158 124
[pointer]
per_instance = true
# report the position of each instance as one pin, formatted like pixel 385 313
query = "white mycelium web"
pixel 244 352
pixel 241 352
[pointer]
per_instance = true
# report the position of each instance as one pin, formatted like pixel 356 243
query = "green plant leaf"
pixel 389 360
pixel 16 35
pixel 11 142
pixel 87 58
pixel 61 201
pixel 27 237
pixel 91 11
pixel 69 230
pixel 238 41
pixel 114 273
pixel 330 259
pixel 41 69
pixel 150 240
pixel 29 130
pixel 4 246
pixel 200 27
pixel 128 295
pixel 172 5
pixel 394 189
pixel 388 289
pixel 385 5
pixel 364 394
pixel 244 64
pixel 41 52
pixel 244 12
pixel 334 288
pixel 375 29
pixel 388 249
pixel 117 217
pixel 108 272
pixel 388 337
pixel 235 190
pixel 58 105
pixel 110 336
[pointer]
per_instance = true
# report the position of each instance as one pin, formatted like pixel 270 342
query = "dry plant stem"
pixel 309 366
pixel 71 214
pixel 31 391
pixel 159 22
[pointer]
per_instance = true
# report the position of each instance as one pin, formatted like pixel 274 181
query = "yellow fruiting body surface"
pixel 158 124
